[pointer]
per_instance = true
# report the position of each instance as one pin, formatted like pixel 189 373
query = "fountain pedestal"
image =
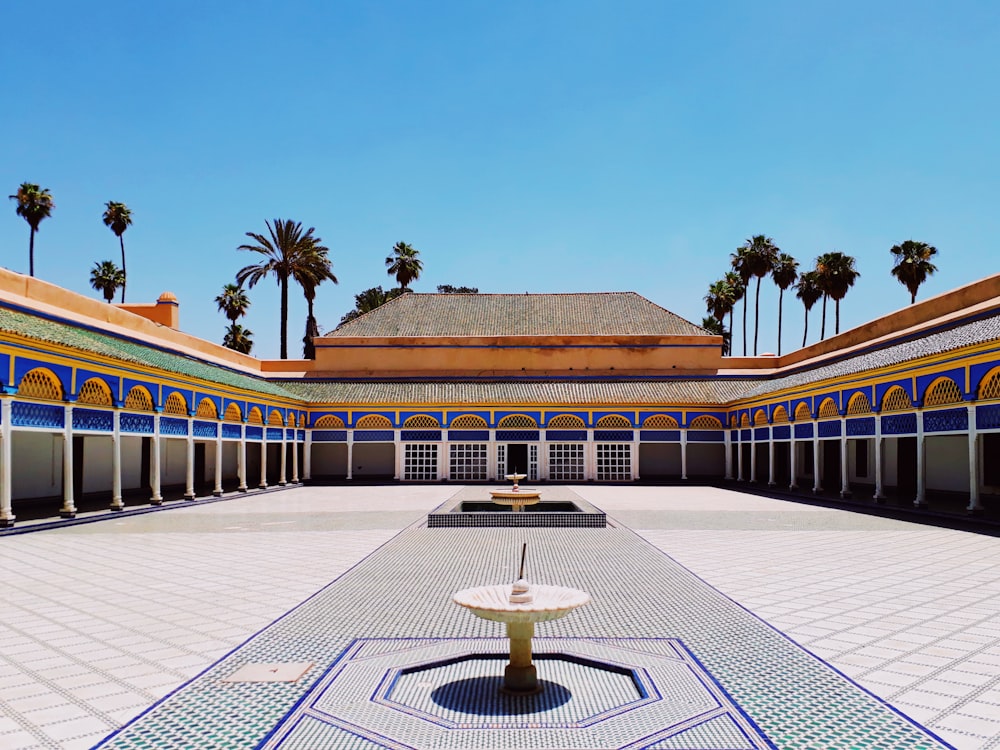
pixel 520 606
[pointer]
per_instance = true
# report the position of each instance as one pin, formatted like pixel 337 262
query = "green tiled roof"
pixel 575 392
pixel 42 329
pixel 603 314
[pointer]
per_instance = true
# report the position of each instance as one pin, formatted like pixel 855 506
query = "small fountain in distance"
pixel 520 605
pixel 516 497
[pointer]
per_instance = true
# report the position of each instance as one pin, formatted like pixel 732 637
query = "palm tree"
pixel 784 272
pixel 742 263
pixel 404 264
pixel 233 302
pixel 106 277
pixel 760 255
pixel 912 264
pixel 837 275
pixel 313 271
pixel 34 204
pixel 739 290
pixel 809 292
pixel 238 338
pixel 286 252
pixel 370 299
pixel 119 218
pixel 714 326
pixel 719 302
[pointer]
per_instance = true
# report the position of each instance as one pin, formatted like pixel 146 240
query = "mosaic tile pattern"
pixel 403 590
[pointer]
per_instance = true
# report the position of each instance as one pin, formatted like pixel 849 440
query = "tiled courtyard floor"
pixel 100 621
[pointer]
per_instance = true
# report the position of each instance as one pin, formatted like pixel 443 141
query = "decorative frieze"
pixel 329 436
pixel 899 424
pixel 660 436
pixel 137 423
pixel 206 429
pixel 860 426
pixel 97 420
pixel 31 414
pixel 946 420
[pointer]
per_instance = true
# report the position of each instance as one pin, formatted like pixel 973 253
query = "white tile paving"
pixel 99 621
pixel 910 612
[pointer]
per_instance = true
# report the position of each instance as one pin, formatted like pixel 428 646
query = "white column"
pixel 878 458
pixel 263 459
pixel 217 491
pixel 845 484
pixel 974 504
pixel 350 454
pixel 154 460
pixel 295 455
pixel 792 463
pixel 921 499
pixel 739 457
pixel 817 460
pixel 189 462
pixel 241 458
pixel 753 454
pixel 116 461
pixel 68 509
pixel 399 453
pixel 729 453
pixel 307 458
pixel 770 457
pixel 590 458
pixel 491 455
pixel 444 460
pixel 282 481
pixel 684 453
pixel 634 462
pixel 543 458
pixel 7 516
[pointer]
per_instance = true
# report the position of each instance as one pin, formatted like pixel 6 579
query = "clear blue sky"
pixel 522 146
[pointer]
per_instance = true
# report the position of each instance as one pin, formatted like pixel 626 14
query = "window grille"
pixel 175 405
pixel 276 419
pixel 517 422
pixel 139 399
pixel 990 388
pixel 705 422
pixel 895 399
pixel 660 422
pixel 41 384
pixel 566 462
pixel 373 422
pixel 944 391
pixel 828 409
pixel 233 413
pixel 255 416
pixel 96 392
pixel 732 420
pixel 802 412
pixel 779 415
pixel 468 422
pixel 859 404
pixel 420 462
pixel 207 410
pixel 328 422
pixel 614 422
pixel 744 420
pixel 614 462
pixel 302 420
pixel 421 422
pixel 467 462
pixel 760 417
pixel 565 422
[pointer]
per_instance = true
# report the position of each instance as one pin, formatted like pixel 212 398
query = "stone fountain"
pixel 516 497
pixel 520 605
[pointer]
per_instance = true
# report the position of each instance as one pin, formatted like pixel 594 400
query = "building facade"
pixel 104 402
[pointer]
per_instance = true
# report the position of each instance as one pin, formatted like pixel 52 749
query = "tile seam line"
pixel 416 524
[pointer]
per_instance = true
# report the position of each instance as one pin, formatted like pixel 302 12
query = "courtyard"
pixel 814 627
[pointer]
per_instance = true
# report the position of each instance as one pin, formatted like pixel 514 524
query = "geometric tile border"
pixel 454 701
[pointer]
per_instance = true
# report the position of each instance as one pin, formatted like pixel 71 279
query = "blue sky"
pixel 522 146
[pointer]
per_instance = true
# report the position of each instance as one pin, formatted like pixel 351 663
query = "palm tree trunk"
pixel 913 297
pixel 822 327
pixel 744 325
pixel 31 253
pixel 121 239
pixel 756 316
pixel 836 305
pixel 781 295
pixel 805 330
pixel 284 318
pixel 730 352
